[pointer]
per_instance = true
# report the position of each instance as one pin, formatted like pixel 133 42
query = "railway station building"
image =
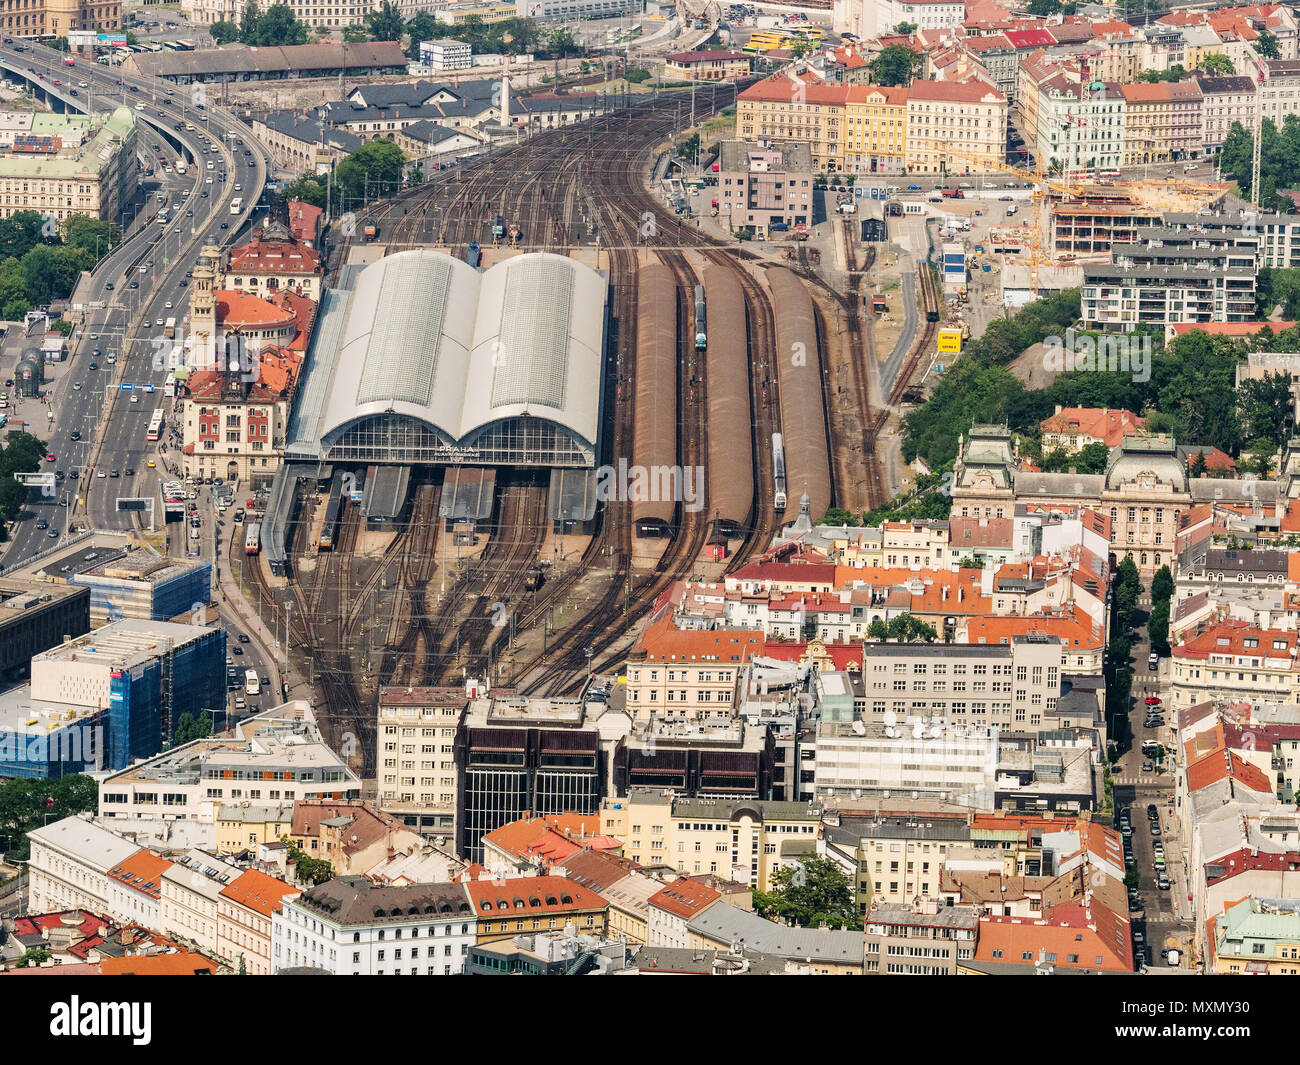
pixel 498 368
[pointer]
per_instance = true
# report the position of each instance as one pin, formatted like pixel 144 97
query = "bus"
pixel 237 205
pixel 765 41
pixel 252 686
pixel 169 389
pixel 180 168
pixel 155 425
pixel 169 330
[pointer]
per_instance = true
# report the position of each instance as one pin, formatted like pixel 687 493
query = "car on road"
pixel 50 457
pixel 53 533
pixel 1005 199
pixel 1153 812
pixel 129 471
pixel 225 225
pixel 42 525
pixel 1148 767
pixel 101 475
pixel 135 284
pixel 1155 828
pixel 243 637
pixel 237 650
pixel 194 534
pixel 1162 882
pixel 114 473
pixel 76 434
pixel 94 366
pixel 1153 700
pixel 266 680
pixel 73 475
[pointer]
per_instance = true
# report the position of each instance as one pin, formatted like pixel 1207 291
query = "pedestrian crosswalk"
pixel 1163 918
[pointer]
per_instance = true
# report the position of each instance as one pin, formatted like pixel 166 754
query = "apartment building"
pixel 1148 123
pixel 507 908
pixel 71 164
pixel 1013 686
pixel 687 672
pixel 673 907
pixel 1225 100
pixel 895 859
pixel 744 840
pixel 191 890
pixel 954 126
pixel 446 54
pixel 925 939
pixel 1154 287
pixel 817 951
pixel 1278 94
pixel 1080 126
pixel 302 144
pixel 416 736
pixel 325 13
pixel 245 908
pixel 353 837
pixel 1256 938
pixel 350 926
pixel 923 14
pixel 1236 661
pixel 781 108
pixel 875 130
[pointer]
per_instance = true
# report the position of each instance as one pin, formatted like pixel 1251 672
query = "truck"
pixel 952 194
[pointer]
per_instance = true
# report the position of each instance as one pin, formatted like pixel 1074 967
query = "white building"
pixel 70 862
pixel 445 55
pixel 276 757
pixel 349 927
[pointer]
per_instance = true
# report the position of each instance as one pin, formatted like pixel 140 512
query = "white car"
pixel 194 534
pixel 135 397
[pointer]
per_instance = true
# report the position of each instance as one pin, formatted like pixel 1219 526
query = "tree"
pixel 188 728
pixel 560 41
pixel 307 869
pixel 1266 408
pixel 897 64
pixel 800 47
pixel 355 34
pixel 248 22
pixel 1267 45
pixel 373 170
pixel 274 27
pixel 26 804
pixel 385 24
pixel 904 628
pixel 905 29
pixel 967 562
pixel 1162 585
pixel 1042 8
pixel 636 76
pixel 1198 465
pixel 812 894
pixel 224 32
pixel 1158 627
pixel 1218 63
pixel 309 189
pixel 421 27
pixel 33 958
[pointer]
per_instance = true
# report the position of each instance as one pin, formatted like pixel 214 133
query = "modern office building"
pixel 146 673
pixel 517 756
pixel 36 615
pixel 145 586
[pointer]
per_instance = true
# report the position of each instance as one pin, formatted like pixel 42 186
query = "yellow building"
pixel 875 134
pixel 742 840
pixel 782 108
pixel 245 827
pixel 512 907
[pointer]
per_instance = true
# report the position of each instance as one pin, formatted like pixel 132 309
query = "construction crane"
pixel 1043 185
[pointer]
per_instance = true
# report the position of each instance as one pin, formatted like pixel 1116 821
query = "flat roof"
pixel 467 493
pixel 386 493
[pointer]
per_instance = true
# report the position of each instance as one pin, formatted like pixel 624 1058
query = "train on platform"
pixel 701 322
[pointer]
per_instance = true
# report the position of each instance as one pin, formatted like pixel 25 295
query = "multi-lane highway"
pixel 143 283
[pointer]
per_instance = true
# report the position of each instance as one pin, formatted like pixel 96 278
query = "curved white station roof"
pixel 427 336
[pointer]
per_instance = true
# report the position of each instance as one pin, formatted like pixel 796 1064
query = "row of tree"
pixel 1190 392
pixel 372 171
pixel 22 453
pixel 262 29
pixel 1162 591
pixel 28 803
pixel 1279 160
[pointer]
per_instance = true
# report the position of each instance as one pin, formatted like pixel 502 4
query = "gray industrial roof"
pixel 467 349
pixel 727 924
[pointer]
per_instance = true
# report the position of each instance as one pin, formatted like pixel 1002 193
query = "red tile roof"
pixel 239 308
pixel 531 896
pixel 141 872
pixel 685 898
pixel 258 891
pixel 662 641
pixel 1101 423
pixel 274 257
pixel 1220 764
pixel 180 963
pixel 1235 638
pixel 1073 935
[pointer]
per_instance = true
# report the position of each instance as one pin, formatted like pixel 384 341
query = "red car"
pixel 1153 700
pixel 50 457
pixel 57 81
